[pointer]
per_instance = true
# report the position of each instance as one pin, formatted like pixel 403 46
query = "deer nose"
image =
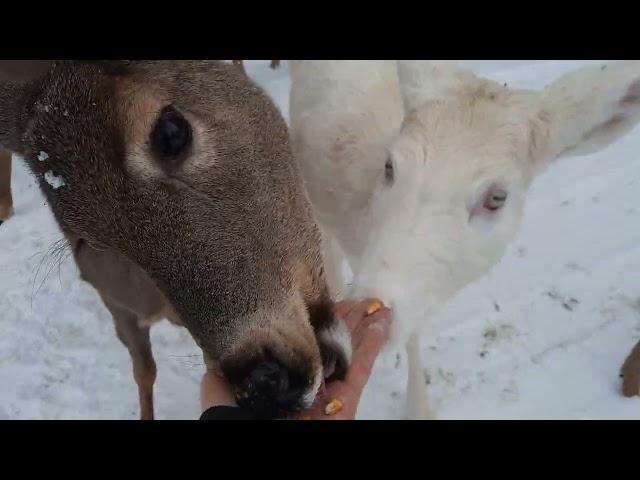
pixel 271 389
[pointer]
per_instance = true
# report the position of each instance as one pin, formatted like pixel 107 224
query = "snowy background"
pixel 542 337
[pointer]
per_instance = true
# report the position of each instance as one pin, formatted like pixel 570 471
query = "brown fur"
pixel 631 373
pixel 224 244
pixel 13 71
pixel 6 199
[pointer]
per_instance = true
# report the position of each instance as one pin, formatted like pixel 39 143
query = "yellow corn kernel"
pixel 374 307
pixel 333 407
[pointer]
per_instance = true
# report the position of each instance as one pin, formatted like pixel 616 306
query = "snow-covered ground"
pixel 542 336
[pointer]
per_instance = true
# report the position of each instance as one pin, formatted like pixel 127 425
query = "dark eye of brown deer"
pixel 172 136
pixel 495 199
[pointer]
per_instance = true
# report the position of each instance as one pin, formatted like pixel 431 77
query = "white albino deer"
pixel 418 170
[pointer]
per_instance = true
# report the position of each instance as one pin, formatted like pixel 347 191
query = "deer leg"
pixel 631 373
pixel 6 200
pixel 239 64
pixel 275 64
pixel 136 339
pixel 417 403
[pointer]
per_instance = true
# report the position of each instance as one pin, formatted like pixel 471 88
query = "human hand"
pixel 368 335
pixel 368 332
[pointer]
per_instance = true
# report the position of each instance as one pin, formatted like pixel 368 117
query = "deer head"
pixel 184 168
pixel 450 194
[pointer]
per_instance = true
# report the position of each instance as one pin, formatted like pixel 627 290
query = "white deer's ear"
pixel 424 80
pixel 587 110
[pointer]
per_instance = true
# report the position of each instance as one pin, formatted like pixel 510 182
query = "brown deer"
pixel 175 186
pixel 631 373
pixel 240 65
pixel 6 200
pixel 15 71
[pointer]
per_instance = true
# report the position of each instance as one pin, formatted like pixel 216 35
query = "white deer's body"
pixel 419 170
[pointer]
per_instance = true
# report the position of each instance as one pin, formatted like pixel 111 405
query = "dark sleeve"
pixel 227 413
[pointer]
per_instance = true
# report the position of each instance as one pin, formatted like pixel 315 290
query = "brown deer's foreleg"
pixel 137 341
pixel 6 200
pixel 631 373
pixel 275 64
pixel 240 65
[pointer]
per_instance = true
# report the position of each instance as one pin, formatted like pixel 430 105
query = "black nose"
pixel 271 390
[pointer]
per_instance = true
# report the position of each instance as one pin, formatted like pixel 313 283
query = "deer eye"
pixel 495 199
pixel 171 136
pixel 388 171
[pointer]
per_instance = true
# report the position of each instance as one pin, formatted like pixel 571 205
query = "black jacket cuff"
pixel 227 413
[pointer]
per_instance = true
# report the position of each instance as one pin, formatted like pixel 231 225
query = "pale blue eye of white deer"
pixel 494 199
pixel 489 204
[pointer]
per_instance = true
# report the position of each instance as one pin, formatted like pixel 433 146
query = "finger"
pixel 364 357
pixel 337 391
pixel 214 391
pixel 384 315
pixel 359 312
pixel 342 309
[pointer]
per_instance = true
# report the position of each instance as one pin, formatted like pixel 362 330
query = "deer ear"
pixel 585 111
pixel 19 80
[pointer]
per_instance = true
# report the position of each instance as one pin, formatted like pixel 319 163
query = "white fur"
pixel 309 397
pixel 338 337
pixel 451 136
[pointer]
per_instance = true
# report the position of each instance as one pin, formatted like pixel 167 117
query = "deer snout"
pixel 273 387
